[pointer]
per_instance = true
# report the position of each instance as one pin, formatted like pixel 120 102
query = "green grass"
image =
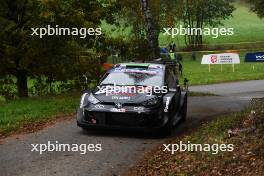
pixel 15 114
pixel 248 27
pixel 2 99
pixel 199 74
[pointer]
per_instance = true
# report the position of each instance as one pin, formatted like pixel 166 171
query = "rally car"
pixel 138 96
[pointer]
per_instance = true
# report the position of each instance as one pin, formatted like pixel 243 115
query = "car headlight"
pixel 83 102
pixel 92 99
pixel 87 100
pixel 151 102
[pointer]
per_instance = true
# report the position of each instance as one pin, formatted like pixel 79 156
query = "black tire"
pixel 167 129
pixel 79 116
pixel 85 130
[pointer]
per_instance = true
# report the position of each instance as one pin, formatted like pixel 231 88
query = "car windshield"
pixel 135 77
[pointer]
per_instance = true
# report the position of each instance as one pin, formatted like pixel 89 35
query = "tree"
pixel 143 21
pixel 14 36
pixel 152 28
pixel 200 14
pixel 257 6
pixel 55 57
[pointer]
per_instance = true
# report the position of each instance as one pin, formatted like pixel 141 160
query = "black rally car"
pixel 135 96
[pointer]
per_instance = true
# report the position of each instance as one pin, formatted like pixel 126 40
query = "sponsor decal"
pixel 118 110
pixel 213 59
pixel 224 58
pixel 167 104
pixel 254 57
pixel 99 106
pixel 139 108
pixel 120 98
pixel 118 105
pixel 260 57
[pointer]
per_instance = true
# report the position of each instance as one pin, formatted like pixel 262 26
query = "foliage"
pixel 195 14
pixel 257 6
pixel 202 13
pixel 7 87
pixel 55 57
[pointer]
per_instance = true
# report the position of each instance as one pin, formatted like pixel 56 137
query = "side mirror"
pixel 85 83
pixel 85 79
pixel 178 88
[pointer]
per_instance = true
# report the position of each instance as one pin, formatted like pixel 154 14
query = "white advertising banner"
pixel 224 58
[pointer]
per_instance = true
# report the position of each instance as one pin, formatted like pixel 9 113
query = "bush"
pixel 8 88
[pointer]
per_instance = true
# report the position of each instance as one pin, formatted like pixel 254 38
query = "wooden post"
pixel 221 67
pixel 233 67
pixel 209 68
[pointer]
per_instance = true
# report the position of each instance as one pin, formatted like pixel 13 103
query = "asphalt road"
pixel 120 150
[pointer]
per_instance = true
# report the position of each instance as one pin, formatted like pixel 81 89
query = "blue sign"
pixel 254 57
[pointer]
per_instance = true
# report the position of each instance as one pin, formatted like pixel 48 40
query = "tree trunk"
pixel 151 29
pixel 22 83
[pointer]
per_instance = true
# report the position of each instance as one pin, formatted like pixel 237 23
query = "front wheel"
pixel 184 109
pixel 167 129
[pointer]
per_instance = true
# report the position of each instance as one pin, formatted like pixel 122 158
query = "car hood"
pixel 123 97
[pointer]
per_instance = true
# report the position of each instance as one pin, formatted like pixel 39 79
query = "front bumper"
pixel 130 117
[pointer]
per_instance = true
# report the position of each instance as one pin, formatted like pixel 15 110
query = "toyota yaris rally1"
pixel 138 96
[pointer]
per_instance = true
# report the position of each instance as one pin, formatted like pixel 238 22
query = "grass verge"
pixel 199 74
pixel 244 130
pixel 25 113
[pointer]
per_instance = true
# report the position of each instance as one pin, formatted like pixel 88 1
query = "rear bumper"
pixel 147 120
